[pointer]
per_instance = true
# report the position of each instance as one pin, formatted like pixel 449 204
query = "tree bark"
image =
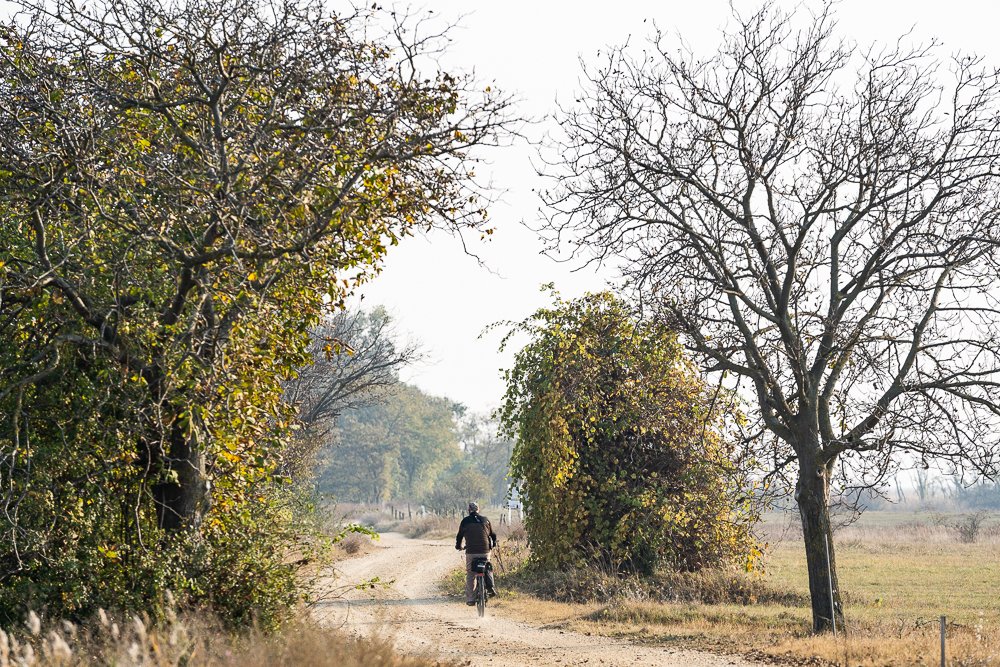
pixel 181 502
pixel 812 492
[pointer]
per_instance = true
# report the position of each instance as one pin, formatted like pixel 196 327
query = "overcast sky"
pixel 443 298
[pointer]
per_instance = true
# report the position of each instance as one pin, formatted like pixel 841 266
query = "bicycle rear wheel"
pixel 480 596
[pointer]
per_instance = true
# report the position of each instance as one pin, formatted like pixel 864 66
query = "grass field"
pixel 899 572
pixel 903 566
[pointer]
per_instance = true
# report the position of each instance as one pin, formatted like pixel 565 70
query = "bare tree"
pixel 356 358
pixel 820 222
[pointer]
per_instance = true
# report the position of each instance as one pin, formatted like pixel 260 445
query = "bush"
pixel 621 453
pixel 237 564
pixel 967 526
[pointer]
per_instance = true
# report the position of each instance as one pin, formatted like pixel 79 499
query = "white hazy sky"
pixel 443 298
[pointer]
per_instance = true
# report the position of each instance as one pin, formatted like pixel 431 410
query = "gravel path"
pixel 423 621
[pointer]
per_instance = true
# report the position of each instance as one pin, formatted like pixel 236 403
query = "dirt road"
pixel 424 621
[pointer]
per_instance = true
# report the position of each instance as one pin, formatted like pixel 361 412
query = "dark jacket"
pixel 478 534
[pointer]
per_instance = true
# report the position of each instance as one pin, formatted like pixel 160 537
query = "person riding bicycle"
pixel 479 538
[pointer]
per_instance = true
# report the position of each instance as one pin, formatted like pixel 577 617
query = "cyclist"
pixel 479 538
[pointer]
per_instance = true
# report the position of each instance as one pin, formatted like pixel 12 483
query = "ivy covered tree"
pixel 621 450
pixel 185 189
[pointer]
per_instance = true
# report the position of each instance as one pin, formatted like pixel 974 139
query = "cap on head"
pixel 473 507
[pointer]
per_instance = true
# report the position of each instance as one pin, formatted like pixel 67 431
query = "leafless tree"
pixel 820 223
pixel 357 356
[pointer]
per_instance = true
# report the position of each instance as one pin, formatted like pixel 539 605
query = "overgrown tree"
pixel 620 450
pixel 185 188
pixel 820 223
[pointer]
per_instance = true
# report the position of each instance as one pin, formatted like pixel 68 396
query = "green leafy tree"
pixel 396 448
pixel 485 450
pixel 185 190
pixel 620 448
pixel 453 490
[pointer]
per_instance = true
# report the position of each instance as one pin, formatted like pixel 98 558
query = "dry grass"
pixel 899 572
pixel 415 525
pixel 191 641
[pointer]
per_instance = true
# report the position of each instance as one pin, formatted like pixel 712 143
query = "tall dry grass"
pixel 875 529
pixel 415 524
pixel 190 640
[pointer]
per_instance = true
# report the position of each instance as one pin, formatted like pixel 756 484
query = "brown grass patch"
pixel 429 526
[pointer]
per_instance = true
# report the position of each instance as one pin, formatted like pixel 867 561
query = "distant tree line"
pixel 938 491
pixel 412 446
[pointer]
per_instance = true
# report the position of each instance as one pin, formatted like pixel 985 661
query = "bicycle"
pixel 479 567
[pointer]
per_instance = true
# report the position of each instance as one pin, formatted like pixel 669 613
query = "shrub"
pixel 620 452
pixel 969 526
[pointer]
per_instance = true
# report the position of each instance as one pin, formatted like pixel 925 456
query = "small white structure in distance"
pixel 514 503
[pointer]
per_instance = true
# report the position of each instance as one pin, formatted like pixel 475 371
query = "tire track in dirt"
pixel 421 620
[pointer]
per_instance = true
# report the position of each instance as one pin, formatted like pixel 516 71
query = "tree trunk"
pixel 812 492
pixel 181 502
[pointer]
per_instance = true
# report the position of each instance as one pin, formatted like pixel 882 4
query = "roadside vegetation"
pixel 188 194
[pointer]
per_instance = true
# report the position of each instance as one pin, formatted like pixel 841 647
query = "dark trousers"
pixel 470 576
